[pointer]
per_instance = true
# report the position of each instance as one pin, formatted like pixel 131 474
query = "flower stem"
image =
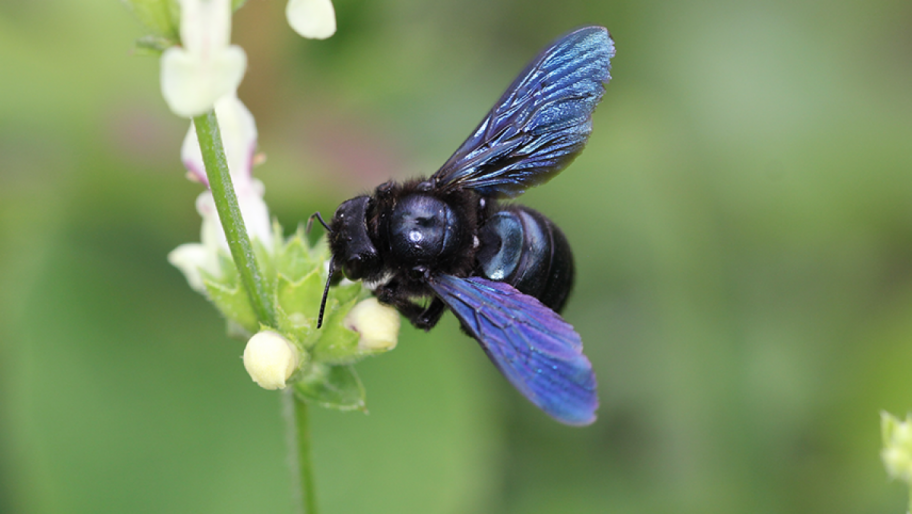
pixel 226 204
pixel 207 130
pixel 298 432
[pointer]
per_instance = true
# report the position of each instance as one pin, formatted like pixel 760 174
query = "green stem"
pixel 226 204
pixel 298 433
pixel 207 130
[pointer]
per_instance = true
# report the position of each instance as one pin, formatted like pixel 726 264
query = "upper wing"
pixel 540 123
pixel 538 352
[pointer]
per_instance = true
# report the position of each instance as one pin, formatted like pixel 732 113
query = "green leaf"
pixel 233 303
pixel 333 387
pixel 153 45
pixel 162 17
pixel 295 261
pixel 230 298
pixel 265 263
pixel 229 277
pixel 337 345
pixel 346 292
pixel 298 304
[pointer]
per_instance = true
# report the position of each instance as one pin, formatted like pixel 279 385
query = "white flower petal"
pixel 239 139
pixel 314 19
pixel 205 68
pixel 211 234
pixel 205 24
pixel 191 83
pixel 253 210
pixel 270 359
pixel 255 213
pixel 190 258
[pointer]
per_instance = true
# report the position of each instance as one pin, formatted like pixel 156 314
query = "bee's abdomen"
pixel 525 249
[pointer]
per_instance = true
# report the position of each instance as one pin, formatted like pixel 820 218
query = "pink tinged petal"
pixel 205 24
pixel 314 19
pixel 239 138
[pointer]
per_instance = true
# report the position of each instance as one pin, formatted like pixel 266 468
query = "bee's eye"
pixel 353 268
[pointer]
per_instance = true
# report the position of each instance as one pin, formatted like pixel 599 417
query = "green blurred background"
pixel 741 221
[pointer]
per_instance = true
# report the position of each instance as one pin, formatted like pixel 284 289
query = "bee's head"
pixel 351 245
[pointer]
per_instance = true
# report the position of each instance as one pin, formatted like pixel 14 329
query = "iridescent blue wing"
pixel 538 352
pixel 541 122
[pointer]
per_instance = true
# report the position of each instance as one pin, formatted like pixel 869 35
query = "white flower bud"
pixel 270 359
pixel 377 324
pixel 315 19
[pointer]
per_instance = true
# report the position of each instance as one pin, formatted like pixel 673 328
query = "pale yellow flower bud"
pixel 377 324
pixel 270 359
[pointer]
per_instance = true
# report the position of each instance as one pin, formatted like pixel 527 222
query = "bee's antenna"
pixel 332 269
pixel 310 221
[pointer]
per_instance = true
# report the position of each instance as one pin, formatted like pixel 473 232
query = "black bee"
pixel 504 270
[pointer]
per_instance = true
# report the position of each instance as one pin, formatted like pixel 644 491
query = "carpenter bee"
pixel 504 270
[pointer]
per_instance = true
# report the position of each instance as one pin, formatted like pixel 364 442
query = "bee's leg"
pixel 391 295
pixel 421 317
pixel 430 316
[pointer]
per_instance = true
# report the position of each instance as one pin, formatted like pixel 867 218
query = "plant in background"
pixel 897 448
pixel 267 287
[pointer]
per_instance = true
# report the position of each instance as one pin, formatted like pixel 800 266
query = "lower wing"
pixel 534 348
